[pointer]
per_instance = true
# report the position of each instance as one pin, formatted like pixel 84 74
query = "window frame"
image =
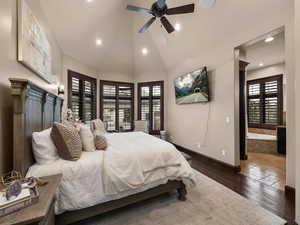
pixel 262 96
pixel 82 78
pixel 151 84
pixel 117 98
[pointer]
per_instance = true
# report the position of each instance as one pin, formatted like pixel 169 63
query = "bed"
pixel 36 109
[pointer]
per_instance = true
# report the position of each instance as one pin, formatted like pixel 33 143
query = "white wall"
pixel 205 124
pixel 291 116
pixel 9 67
pixel 297 94
pixel 269 71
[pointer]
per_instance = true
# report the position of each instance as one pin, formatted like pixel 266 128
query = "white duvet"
pixel 134 162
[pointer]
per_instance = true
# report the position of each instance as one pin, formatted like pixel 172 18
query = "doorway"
pixel 263 110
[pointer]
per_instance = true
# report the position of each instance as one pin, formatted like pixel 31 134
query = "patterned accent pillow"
pixel 67 141
pixel 100 141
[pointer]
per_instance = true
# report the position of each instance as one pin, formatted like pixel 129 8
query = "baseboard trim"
pixel 235 169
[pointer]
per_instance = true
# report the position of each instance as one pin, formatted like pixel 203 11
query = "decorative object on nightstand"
pixel 18 194
pixel 164 135
pixel 42 212
pixel 10 177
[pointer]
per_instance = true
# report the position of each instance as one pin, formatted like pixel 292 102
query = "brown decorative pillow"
pixel 67 141
pixel 100 141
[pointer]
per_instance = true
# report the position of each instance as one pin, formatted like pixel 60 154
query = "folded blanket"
pixel 134 159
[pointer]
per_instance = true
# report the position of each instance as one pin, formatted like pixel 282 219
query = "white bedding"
pixel 83 183
pixel 144 160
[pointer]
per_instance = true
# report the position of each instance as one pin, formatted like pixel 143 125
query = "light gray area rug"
pixel 209 203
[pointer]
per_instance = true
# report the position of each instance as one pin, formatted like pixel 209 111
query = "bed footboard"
pixel 78 215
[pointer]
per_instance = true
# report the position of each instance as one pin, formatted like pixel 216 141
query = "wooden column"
pixel 243 65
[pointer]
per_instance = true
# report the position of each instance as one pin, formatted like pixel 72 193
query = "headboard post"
pixel 35 109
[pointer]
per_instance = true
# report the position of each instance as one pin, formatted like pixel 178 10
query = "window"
pixel 265 98
pixel 151 105
pixel 117 105
pixel 82 96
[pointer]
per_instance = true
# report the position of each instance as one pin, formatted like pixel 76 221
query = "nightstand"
pixel 41 213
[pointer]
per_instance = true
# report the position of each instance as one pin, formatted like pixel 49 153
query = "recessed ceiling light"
pixel 269 39
pixel 89 1
pixel 177 27
pixel 145 51
pixel 98 42
pixel 261 64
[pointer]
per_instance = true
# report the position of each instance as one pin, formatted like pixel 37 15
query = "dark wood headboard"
pixel 35 109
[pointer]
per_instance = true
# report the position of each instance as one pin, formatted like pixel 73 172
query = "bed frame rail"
pixel 78 215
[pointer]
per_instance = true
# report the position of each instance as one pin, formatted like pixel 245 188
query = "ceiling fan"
pixel 159 10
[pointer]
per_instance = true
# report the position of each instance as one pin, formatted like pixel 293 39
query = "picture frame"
pixel 34 49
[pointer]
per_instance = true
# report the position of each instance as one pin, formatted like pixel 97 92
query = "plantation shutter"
pixel 82 96
pixel 265 102
pixel 117 103
pixel 150 101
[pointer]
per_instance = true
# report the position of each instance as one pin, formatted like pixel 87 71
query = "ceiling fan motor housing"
pixel 158 12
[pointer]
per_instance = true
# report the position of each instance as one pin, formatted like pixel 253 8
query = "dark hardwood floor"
pixel 272 199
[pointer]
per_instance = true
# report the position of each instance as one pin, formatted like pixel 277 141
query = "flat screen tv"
pixel 192 87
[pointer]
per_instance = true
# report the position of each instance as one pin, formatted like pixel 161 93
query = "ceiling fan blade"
pixel 147 25
pixel 181 9
pixel 168 26
pixel 138 9
pixel 161 3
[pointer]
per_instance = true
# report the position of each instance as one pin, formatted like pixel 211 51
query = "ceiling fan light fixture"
pixel 206 4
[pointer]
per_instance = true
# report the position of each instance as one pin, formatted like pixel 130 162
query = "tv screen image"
pixel 192 87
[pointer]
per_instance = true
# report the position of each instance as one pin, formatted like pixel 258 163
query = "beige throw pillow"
pixel 100 141
pixel 87 139
pixel 67 141
pixel 98 126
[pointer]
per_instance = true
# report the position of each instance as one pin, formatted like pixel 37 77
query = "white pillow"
pixel 44 150
pixel 87 139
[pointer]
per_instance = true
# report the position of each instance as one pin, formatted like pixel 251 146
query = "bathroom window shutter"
pixel 265 102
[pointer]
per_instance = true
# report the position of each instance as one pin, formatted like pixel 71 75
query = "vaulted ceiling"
pixel 77 25
pixel 207 37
